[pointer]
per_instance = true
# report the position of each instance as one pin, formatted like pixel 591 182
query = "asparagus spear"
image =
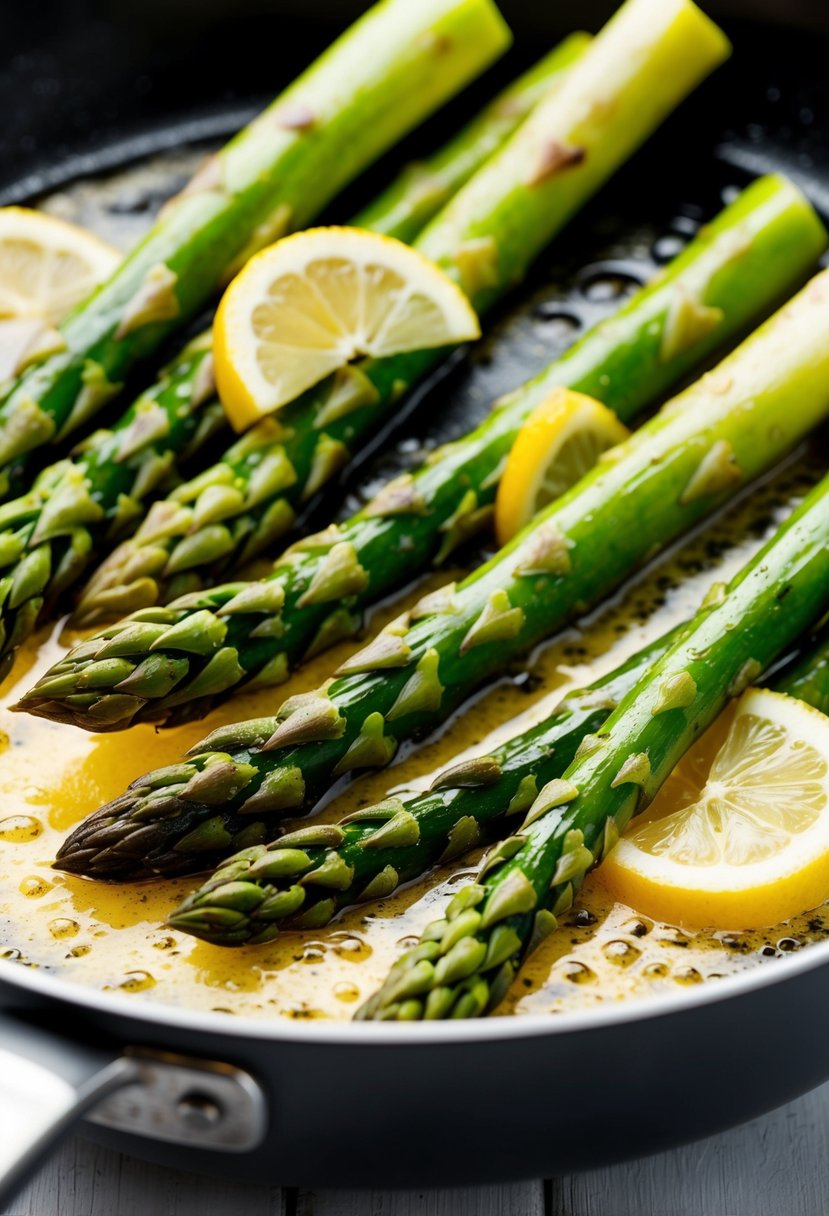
pixel 307 876
pixel 738 265
pixel 48 536
pixel 417 195
pixel 639 67
pixel 807 676
pixel 82 505
pixel 464 963
pixel 391 69
pixel 705 444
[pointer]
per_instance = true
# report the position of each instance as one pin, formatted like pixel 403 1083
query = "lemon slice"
pixel 738 837
pixel 311 303
pixel 561 441
pixel 46 267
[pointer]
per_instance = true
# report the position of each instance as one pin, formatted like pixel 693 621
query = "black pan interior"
pixel 760 113
pixel 86 81
pixel 111 84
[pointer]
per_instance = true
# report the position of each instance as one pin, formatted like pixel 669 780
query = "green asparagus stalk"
pixel 80 507
pixel 704 445
pixel 464 963
pixel 639 67
pixel 417 195
pixel 49 535
pixel 807 676
pixel 395 66
pixel 304 878
pixel 738 265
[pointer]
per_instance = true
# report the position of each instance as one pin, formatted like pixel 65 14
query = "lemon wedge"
pixel 738 837
pixel 561 441
pixel 311 303
pixel 47 266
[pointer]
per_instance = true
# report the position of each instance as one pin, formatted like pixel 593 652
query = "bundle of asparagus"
pixel 396 65
pixel 305 877
pixel 739 265
pixel 423 189
pixel 464 963
pixel 645 61
pixel 80 507
pixel 704 445
pixel 49 535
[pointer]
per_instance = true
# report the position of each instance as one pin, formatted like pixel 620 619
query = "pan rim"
pixel 413 1034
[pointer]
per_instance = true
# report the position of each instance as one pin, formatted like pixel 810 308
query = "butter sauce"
pixel 113 937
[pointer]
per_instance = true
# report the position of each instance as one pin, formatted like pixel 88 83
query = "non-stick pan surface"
pixel 338 1105
pixel 440 1104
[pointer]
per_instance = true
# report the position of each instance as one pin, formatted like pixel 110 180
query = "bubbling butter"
pixel 113 937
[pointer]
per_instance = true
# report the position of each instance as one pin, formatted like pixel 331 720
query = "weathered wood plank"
pixel 83 1179
pixel 519 1199
pixel 774 1166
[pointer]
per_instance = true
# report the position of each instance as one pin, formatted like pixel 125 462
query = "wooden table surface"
pixel 774 1166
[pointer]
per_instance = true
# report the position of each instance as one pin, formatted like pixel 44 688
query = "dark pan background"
pixel 91 84
pixel 84 83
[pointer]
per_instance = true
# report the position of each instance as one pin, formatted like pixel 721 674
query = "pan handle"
pixel 49 1082
pixel 46 1085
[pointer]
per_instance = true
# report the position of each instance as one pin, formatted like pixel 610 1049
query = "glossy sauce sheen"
pixel 112 937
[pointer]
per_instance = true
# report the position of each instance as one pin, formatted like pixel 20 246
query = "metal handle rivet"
pixel 199 1111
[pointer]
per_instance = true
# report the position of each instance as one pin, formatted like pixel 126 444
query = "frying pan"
pixel 406 1105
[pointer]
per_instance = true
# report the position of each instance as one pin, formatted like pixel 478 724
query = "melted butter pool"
pixel 113 937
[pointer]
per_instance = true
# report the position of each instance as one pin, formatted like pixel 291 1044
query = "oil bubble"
pixel 578 973
pixel 687 975
pixel 33 886
pixel 136 981
pixel 620 952
pixel 353 949
pixel 638 927
pixel 20 829
pixel 61 926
